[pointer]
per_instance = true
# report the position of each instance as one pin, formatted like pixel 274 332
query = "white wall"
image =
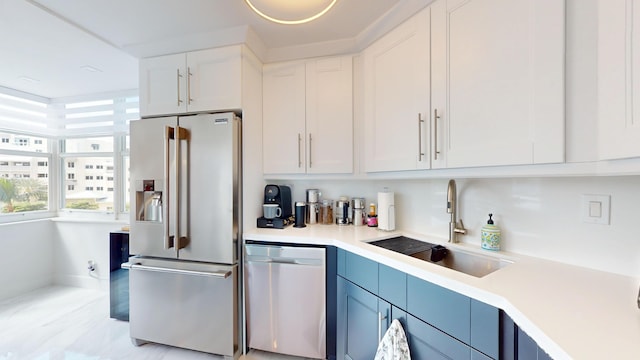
pixel 77 242
pixel 538 216
pixel 26 260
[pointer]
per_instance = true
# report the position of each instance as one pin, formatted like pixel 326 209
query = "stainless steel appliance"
pixel 279 195
pixel 358 216
pixel 184 277
pixel 313 205
pixel 286 311
pixel 342 211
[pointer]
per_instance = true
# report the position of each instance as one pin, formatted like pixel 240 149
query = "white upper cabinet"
pixel 619 78
pixel 198 81
pixel 308 117
pixel 498 81
pixel 397 98
pixel 329 115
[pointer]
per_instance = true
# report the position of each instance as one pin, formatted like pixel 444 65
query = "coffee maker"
pixel 279 195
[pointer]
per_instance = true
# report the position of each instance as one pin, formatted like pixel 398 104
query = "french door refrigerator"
pixel 185 175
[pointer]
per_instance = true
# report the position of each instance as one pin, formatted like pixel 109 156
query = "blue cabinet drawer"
pixel 485 328
pixel 442 308
pixel 427 342
pixel 392 286
pixel 362 272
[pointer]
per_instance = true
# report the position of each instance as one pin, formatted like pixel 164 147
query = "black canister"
pixel 300 214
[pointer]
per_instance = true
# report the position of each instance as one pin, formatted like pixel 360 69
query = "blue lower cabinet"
pixel 528 349
pixel 392 286
pixel 362 272
pixel 485 329
pixel 442 308
pixel 362 319
pixel 427 342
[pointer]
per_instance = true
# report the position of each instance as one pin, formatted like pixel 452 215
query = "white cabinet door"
pixel 329 115
pixel 397 98
pixel 198 81
pixel 500 84
pixel 283 111
pixel 619 78
pixel 308 117
pixel 162 85
pixel 214 81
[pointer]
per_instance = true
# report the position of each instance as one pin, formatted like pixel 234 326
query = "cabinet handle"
pixel 189 74
pixel 178 76
pixel 299 142
pixel 420 121
pixel 435 134
pixel 310 149
pixel 380 319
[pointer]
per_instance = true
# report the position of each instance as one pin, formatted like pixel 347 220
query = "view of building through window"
pixel 24 177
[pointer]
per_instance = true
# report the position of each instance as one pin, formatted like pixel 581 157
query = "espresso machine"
pixel 280 196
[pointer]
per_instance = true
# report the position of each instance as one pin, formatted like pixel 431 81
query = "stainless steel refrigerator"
pixel 185 175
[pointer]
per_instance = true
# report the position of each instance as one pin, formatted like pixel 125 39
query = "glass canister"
pixel 326 212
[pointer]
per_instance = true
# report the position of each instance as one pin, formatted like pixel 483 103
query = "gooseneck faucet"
pixel 452 209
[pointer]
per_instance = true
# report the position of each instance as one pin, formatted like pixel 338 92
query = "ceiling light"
pixel 290 12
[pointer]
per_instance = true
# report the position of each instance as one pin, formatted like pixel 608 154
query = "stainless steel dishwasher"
pixel 285 290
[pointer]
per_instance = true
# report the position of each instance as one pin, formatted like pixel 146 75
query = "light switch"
pixel 595 209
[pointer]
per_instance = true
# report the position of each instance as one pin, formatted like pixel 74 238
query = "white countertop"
pixel 571 312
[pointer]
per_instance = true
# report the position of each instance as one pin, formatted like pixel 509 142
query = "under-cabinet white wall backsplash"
pixel 538 216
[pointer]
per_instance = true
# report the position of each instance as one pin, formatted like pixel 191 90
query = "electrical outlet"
pixel 596 209
pixel 91 265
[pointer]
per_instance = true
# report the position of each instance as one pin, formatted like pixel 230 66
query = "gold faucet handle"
pixel 461 229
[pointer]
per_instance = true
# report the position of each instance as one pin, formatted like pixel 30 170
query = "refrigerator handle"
pixel 168 135
pixel 182 134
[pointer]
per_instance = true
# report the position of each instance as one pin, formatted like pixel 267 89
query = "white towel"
pixel 393 345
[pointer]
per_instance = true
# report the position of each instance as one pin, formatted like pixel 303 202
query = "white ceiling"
pixel 51 41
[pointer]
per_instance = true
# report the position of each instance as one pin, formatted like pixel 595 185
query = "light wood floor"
pixel 64 323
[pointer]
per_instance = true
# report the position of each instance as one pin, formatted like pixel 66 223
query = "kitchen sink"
pixel 473 264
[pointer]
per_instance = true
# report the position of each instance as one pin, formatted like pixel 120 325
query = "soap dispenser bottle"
pixel 490 235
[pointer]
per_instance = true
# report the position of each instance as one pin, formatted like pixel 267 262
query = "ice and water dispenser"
pixel 148 200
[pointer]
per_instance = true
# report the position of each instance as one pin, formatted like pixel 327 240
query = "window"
pixel 92 144
pixel 86 195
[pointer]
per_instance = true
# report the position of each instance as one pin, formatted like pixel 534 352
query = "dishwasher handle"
pixel 138 266
pixel 284 261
